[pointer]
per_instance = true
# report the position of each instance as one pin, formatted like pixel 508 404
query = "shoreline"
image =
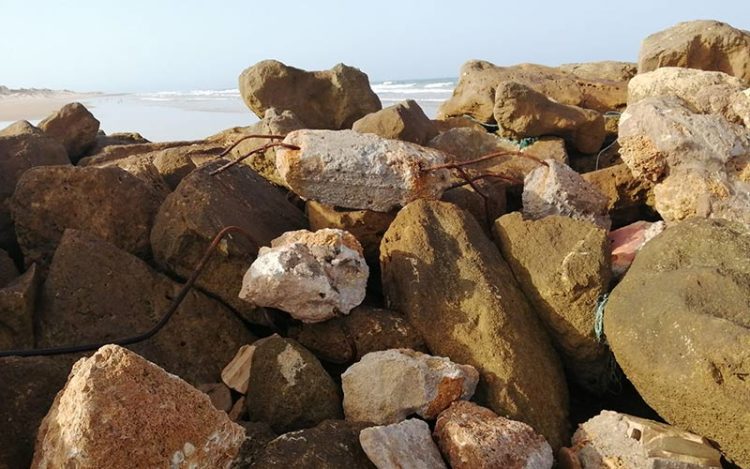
pixel 25 107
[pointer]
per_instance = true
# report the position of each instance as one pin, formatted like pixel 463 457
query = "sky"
pixel 152 45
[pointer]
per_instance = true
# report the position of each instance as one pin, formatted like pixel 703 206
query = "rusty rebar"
pixel 246 137
pixel 255 151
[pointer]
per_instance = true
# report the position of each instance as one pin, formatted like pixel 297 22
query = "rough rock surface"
pixel 118 138
pixel 95 292
pixel 219 394
pixel 288 387
pixel 88 428
pixel 359 171
pixel 563 267
pixel 627 196
pixel 555 189
pixel 73 126
pixel 702 44
pixel 403 121
pixel 329 99
pixel 473 437
pixel 521 112
pixel 455 288
pixel 200 207
pixel 334 444
pixel 386 387
pixel 257 436
pixel 107 202
pixel 679 327
pixel 314 276
pixel 628 240
pixel 236 375
pixel 407 444
pixel 604 70
pixel 17 304
pixel 8 269
pixel 611 439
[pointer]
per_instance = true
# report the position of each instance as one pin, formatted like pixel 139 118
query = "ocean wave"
pixel 442 84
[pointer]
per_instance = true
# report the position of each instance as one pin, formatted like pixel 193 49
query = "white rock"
pixel 360 171
pixel 408 444
pixel 386 387
pixel 236 375
pixel 314 276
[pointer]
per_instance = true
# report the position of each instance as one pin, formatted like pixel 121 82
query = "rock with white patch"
pixel 314 276
pixel 386 387
pixel 288 387
pixel 119 410
pixel 360 171
pixel 401 445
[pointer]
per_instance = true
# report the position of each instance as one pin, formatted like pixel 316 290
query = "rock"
pixel 236 374
pixel 173 166
pixel 333 444
pixel 679 327
pixel 563 267
pixel 118 138
pixel 219 394
pixel 20 150
pixel 628 240
pixel 73 126
pixel 620 440
pixel 20 128
pixel 366 329
pixel 386 387
pixel 475 93
pixel 359 171
pixel 458 292
pixel 142 167
pixel 555 189
pixel 401 445
pixel 521 112
pixel 29 386
pixel 239 410
pixel 485 211
pixel 447 123
pixel 200 151
pixel 107 202
pixel 700 162
pixel 314 276
pixel 329 99
pixel 626 195
pixel 97 293
pixel 17 302
pixel 701 44
pixel 609 156
pixel 288 387
pixel 605 70
pixel 87 428
pixel 473 437
pixel 200 207
pixel 403 121
pixel 257 436
pixel 8 269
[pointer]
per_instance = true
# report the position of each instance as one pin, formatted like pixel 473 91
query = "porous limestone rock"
pixel 360 171
pixel 603 70
pixel 403 121
pixel 73 126
pixel 522 112
pixel 627 196
pixel 329 99
pixel 156 419
pixel 313 276
pixel 474 437
pixel 555 189
pixel 407 444
pixel 386 387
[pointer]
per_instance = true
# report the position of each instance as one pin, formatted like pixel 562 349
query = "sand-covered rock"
pixel 453 285
pixel 328 99
pixel 407 444
pixel 17 305
pixel 359 171
pixel 386 387
pixel 73 126
pixel 156 419
pixel 403 121
pixel 679 327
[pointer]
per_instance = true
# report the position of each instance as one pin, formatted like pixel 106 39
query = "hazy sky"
pixel 151 45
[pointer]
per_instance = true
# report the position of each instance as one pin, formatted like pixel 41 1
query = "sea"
pixel 196 114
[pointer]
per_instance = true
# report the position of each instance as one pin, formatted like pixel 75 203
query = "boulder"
pixel 198 150
pixel 143 167
pixel 8 269
pixel 118 138
pixel 155 419
pixel 447 123
pixel 403 121
pixel 555 189
pixel 314 276
pixel 257 436
pixel 366 329
pixel 17 302
pixel 679 327
pixel 521 112
pixel 627 196
pixel 329 99
pixel 620 440
pixel 173 165
pixel 451 282
pixel 108 202
pixel 97 293
pixel 288 387
pixel 20 128
pixel 401 445
pixel 386 387
pixel 484 210
pixel 73 126
pixel 474 437
pixel 701 44
pixel 200 207
pixel 220 396
pixel 563 267
pixel 359 171
pixel 628 240
pixel 605 70
pixel 475 93
pixel 334 444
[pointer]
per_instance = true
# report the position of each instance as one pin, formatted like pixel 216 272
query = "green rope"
pixel 527 142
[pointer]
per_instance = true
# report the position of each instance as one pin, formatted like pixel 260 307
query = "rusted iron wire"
pixel 247 137
pixel 255 151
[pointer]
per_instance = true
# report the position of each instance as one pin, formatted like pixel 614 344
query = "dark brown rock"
pixel 119 138
pixel 627 195
pixel 17 302
pixel 73 126
pixel 257 436
pixel 403 121
pixel 8 269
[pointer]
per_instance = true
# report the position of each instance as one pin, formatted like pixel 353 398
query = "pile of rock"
pixel 384 299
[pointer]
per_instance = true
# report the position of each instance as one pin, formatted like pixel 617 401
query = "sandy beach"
pixel 32 108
